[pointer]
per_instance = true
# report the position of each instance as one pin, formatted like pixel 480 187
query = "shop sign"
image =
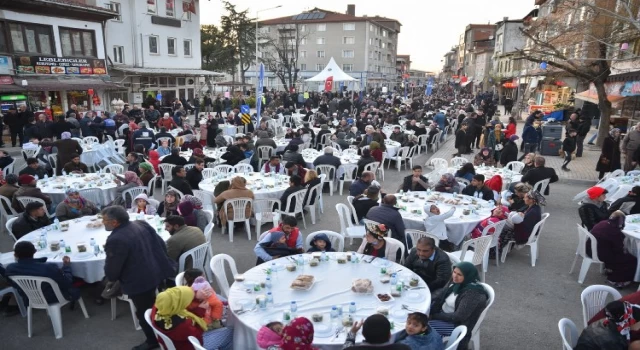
pixel 59 65
pixel 631 88
pixel 5 80
pixel 6 65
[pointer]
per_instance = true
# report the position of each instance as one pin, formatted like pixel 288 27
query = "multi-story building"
pixel 449 66
pixel 153 47
pixel 477 37
pixel 505 69
pixel 52 55
pixel 364 47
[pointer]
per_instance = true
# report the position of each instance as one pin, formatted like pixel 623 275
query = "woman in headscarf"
pixel 620 266
pixel 448 184
pixel 130 180
pixel 185 209
pixel 594 208
pixel 202 218
pixel 154 160
pixel 146 173
pixel 520 223
pixel 460 303
pixel 170 204
pixel 74 206
pixel 171 318
pixel 145 205
pixel 610 157
pixel 466 172
pixel 376 152
pixel 238 189
pixel 484 157
pixel 199 154
pixel 297 335
pixel 376 244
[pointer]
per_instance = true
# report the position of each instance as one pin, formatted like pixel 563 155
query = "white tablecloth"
pixel 619 187
pixel 347 159
pixel 55 187
pixel 228 129
pixel 270 187
pixel 332 288
pixel 632 242
pixel 490 171
pixel 85 265
pixel 281 144
pixel 175 132
pixel 458 225
pixel 392 148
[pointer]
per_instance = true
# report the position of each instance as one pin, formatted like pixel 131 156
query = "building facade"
pixel 505 70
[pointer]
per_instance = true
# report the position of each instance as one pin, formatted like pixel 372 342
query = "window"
pixel 115 7
pixel 576 52
pixel 303 28
pixel 76 42
pixel 347 54
pixel 636 47
pixel 347 67
pixel 302 54
pixel 371 27
pixel 151 7
pixel 187 48
pixel 303 66
pixel 348 26
pixel 348 40
pixel 384 45
pixel 320 54
pixel 31 38
pixel 118 54
pixel 320 41
pixel 153 45
pixel 384 33
pixel 303 41
pixel 182 81
pixel 319 66
pixel 170 11
pixel 583 13
pixel 569 18
pixel 171 46
pixel 370 41
pixel 322 27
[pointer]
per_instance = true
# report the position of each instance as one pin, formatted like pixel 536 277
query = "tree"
pixel 582 38
pixel 240 33
pixel 280 52
pixel 217 54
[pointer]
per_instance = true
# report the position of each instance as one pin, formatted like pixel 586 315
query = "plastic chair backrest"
pixel 343 215
pixel 456 337
pixel 583 236
pixel 9 226
pixel 9 168
pixel 569 333
pixel 329 170
pixel 594 299
pixel 180 279
pixel 372 167
pixel 194 341
pixel 24 200
pixel 422 140
pixel 239 207
pixel 133 193
pixel 463 180
pixel 439 163
pixel 180 194
pixel 537 229
pixel 203 196
pixel 400 246
pixel 208 173
pixel 458 161
pixel 337 240
pixel 90 140
pixel 492 297
pixel 515 166
pixel 197 254
pixel 188 167
pixel 4 204
pixel 315 192
pixel 93 195
pixel 223 169
pixel 350 171
pixel 497 231
pixel 265 152
pixel 616 173
pixel 541 186
pixel 242 168
pixel 168 344
pixel 415 235
pixel 454 259
pixel 113 169
pixel 151 186
pixel 217 265
pixel 165 171
pixel 32 288
pixel 480 246
pixel 352 209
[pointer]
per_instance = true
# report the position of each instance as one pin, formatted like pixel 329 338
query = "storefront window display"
pixel 79 98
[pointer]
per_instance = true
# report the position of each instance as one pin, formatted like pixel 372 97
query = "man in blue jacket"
pixel 137 257
pixel 388 215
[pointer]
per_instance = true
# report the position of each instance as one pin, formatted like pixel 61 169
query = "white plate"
pixel 385 302
pixel 381 262
pixel 82 256
pixel 245 304
pixel 322 329
pixel 399 315
pixel 414 295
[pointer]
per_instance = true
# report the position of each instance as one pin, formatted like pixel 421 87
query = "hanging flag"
pixel 259 88
pixel 429 89
pixel 328 84
pixel 192 6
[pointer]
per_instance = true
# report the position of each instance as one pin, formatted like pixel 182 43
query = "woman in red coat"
pixel 511 128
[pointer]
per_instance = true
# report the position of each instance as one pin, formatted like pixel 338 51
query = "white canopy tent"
pixel 332 69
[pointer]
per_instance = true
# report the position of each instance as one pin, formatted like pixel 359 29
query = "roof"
pixel 167 71
pixel 318 15
pixel 76 9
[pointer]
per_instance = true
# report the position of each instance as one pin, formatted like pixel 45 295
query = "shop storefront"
pixel 552 94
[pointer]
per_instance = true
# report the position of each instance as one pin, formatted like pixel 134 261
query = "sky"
pixel 429 30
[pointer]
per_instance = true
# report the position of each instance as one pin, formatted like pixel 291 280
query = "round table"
pixel 490 171
pixel 281 144
pixel 618 187
pixel 458 225
pixel 392 147
pixel 86 265
pixel 632 241
pixel 228 129
pixel 55 187
pixel 332 287
pixel 175 132
pixel 264 186
pixel 309 158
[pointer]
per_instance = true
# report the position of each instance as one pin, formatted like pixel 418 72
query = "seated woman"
pixel 238 189
pixel 524 220
pixel 364 160
pixel 202 218
pixel 146 173
pixel 296 335
pixel 459 303
pixel 130 180
pixel 145 205
pixel 447 184
pixel 376 244
pixel 170 317
pixel 164 149
pixel 434 223
pixel 311 179
pixel 363 202
pixel 620 266
pixel 170 205
pixel 222 186
pixel 594 208
pixel 185 209
pixel 199 154
pixel 484 158
pixel 466 172
pixel 74 206
pixel 514 199
pixel 528 163
pixel 376 152
pixel 497 214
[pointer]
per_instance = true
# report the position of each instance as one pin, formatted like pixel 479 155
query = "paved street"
pixel 529 300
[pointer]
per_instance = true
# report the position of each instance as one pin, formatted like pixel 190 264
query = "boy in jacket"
pixel 569 146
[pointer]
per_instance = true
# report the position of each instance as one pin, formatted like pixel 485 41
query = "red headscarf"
pixel 495 183
pixel 298 335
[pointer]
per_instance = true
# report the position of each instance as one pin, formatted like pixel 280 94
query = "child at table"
pixel 278 240
pixel 270 335
pixel 418 335
pixel 206 304
pixel 321 243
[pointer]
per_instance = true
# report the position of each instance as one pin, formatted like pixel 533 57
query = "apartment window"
pixel 636 47
pixel 371 27
pixel 115 7
pixel 322 27
pixel 583 13
pixel 151 7
pixel 347 54
pixel 348 26
pixel 118 54
pixel 31 38
pixel 303 27
pixel 347 67
pixel 186 46
pixel 576 53
pixel 153 45
pixel 370 41
pixel 384 45
pixel 320 54
pixel 348 40
pixel 320 41
pixel 303 41
pixel 384 33
pixel 303 66
pixel 76 42
pixel 569 18
pixel 302 54
pixel 170 8
pixel 171 46
pixel 319 66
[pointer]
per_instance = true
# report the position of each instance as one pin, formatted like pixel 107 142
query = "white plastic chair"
pixel 337 240
pixel 439 163
pixel 24 200
pixel 168 344
pixel 205 197
pixel 594 298
pixel 415 235
pixel 217 265
pixel 475 333
pixel 480 249
pixel 458 161
pixel 372 167
pixel 422 142
pixel 151 186
pixel 315 193
pixel 463 181
pixel 299 207
pixel 633 172
pixel 93 195
pixel 166 174
pixel 188 167
pixel 349 174
pixel 497 232
pixel 132 307
pixel 515 166
pixel 6 215
pixel 381 166
pixel 456 337
pixel 532 242
pixel 9 168
pixel 208 173
pixel 400 245
pixel 616 173
pixel 195 342
pixel 239 206
pixel 354 216
pixel 583 236
pixel 266 210
pixel 132 193
pixel 331 173
pixel 264 154
pixel 569 333
pixel 347 228
pixel 9 226
pixel 19 301
pixel 198 256
pixel 223 169
pixel 113 169
pixel 180 194
pixel 541 186
pixel 53 160
pixel 32 287
pixel 90 140
pixel 404 155
pixel 242 168
pixel 31 153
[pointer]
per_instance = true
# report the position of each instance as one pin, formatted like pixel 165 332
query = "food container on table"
pixel 314 262
pixel 82 247
pixel 239 278
pixel 317 317
pixel 342 259
pixel 291 267
pixel 414 281
pixel 384 311
pixel 347 321
pixel 54 246
pixel 466 212
pixel 384 298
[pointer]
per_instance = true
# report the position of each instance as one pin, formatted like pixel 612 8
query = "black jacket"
pixel 407 184
pixel 328 159
pixel 487 193
pixel 25 224
pixel 591 214
pixel 569 144
pixel 509 153
pixel 627 204
pixel 538 174
pixel 285 197
pixel 194 177
pixel 362 206
pixel 469 305
pixel 434 273
pixel 181 185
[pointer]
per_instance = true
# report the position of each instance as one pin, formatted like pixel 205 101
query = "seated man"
pixel 477 189
pixel 183 237
pixel 34 169
pixel 387 213
pixel 75 166
pixel 416 181
pixel 179 180
pixel 33 218
pixel 28 189
pixel 26 265
pixel 273 165
pixel 629 204
pixel 376 330
pixel 295 185
pixel 293 236
pixel 429 262
pixel 539 173
pixel 357 187
pixel 328 159
pixel 295 169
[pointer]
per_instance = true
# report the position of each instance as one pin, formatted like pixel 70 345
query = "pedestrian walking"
pixel 569 146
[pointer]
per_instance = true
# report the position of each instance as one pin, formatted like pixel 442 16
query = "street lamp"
pixel 257 17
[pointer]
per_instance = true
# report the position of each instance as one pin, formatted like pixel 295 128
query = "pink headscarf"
pixel 130 176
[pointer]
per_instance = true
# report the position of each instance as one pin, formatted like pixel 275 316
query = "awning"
pixel 587 96
pixel 466 83
pixel 613 91
pixel 35 84
pixel 10 88
pixel 167 71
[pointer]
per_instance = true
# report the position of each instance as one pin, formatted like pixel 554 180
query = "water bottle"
pixel 268 284
pixel 62 245
pixel 92 242
pixel 353 257
pixel 43 241
pixel 293 308
pixel 46 176
pixel 96 249
pixel 352 307
pixel 56 223
pixel 140 216
pixel 36 177
pixel 64 173
pixel 334 312
pixel 273 268
pixel 394 279
pixel 269 298
pixel 324 257
pixel 300 260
